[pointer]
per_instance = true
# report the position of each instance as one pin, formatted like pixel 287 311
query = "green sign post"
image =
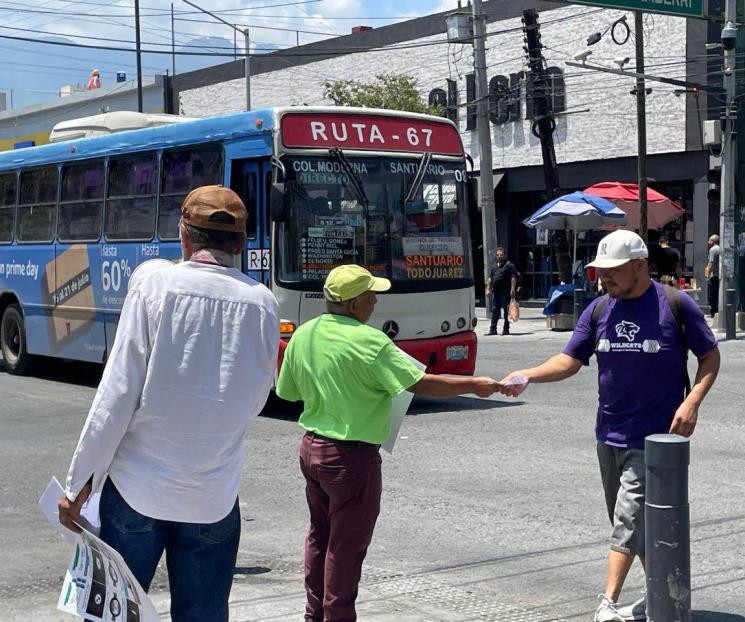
pixel 687 8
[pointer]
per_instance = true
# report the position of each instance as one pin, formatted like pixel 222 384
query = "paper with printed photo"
pixel 99 587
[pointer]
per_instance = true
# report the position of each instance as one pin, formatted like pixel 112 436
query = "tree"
pixel 389 91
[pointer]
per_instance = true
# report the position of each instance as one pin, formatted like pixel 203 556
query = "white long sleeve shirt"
pixel 193 361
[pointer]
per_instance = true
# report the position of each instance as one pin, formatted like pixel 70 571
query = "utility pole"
pixel 138 53
pixel 543 121
pixel 641 125
pixel 247 69
pixel 247 65
pixel 727 184
pixel 173 43
pixel 483 126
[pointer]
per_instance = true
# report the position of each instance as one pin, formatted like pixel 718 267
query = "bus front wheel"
pixel 13 341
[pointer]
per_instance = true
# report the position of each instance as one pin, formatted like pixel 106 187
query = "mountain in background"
pixel 34 72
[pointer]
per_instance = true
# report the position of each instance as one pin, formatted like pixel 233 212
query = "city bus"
pixel 323 186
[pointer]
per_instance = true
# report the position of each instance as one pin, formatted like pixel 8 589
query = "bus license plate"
pixel 456 353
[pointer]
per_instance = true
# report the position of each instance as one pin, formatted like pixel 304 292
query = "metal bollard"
pixel 667 529
pixel 579 295
pixel 729 314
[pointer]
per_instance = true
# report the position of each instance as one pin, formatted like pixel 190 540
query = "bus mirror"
pixel 472 188
pixel 278 204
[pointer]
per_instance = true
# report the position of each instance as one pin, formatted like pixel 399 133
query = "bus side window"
pixel 36 206
pixel 7 207
pixel 183 171
pixel 130 204
pixel 81 202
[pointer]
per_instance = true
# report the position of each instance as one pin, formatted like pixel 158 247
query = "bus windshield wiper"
pixel 419 177
pixel 354 179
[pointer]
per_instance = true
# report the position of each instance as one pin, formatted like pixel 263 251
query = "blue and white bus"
pixel 323 186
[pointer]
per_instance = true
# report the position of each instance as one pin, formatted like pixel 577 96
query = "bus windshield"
pixel 409 228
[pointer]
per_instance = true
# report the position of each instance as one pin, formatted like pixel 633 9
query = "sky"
pixel 31 72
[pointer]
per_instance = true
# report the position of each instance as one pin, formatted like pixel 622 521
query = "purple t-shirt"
pixel 640 362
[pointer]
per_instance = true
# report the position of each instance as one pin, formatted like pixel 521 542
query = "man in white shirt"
pixel 193 361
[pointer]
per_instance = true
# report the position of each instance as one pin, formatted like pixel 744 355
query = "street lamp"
pixel 247 62
pixel 470 27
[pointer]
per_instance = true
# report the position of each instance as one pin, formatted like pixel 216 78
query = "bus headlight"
pixel 461 323
pixel 474 321
pixel 286 328
pixel 445 326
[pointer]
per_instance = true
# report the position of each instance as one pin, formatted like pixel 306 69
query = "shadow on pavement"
pixel 715 616
pixel 59 370
pixel 427 405
pixel 277 408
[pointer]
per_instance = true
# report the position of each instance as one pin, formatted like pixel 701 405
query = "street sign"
pixel 687 8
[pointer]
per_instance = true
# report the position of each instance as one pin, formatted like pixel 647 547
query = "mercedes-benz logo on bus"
pixel 390 328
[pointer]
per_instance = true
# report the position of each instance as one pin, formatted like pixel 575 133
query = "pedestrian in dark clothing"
pixel 502 287
pixel 667 260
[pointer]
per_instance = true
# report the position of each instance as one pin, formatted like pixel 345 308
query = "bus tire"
pixel 13 341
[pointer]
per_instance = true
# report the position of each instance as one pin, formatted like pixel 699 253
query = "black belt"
pixel 340 442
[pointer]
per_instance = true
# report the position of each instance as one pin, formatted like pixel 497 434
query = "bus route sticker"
pixel 99 587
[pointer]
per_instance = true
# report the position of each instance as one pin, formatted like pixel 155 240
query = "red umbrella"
pixel 660 209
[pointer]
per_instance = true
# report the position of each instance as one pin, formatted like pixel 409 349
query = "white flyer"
pixel 399 405
pixel 48 507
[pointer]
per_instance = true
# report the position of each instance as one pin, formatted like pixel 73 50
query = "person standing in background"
pixel 502 286
pixel 95 80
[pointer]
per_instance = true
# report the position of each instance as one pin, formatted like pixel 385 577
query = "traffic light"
pixel 714 177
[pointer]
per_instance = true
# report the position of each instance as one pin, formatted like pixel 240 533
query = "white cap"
pixel 617 248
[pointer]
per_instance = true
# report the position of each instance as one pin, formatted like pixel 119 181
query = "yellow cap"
pixel 349 281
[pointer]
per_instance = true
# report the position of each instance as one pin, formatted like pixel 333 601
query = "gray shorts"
pixel 623 472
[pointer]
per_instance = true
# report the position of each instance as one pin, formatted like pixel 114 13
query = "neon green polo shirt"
pixel 346 373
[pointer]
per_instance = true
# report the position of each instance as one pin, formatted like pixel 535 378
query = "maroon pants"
pixel 343 486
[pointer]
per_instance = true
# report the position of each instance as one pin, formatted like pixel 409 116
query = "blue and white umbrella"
pixel 576 211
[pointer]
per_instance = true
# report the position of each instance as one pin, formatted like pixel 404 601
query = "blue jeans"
pixel 500 303
pixel 200 557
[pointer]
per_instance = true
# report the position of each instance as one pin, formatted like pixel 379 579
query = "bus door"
pixel 246 180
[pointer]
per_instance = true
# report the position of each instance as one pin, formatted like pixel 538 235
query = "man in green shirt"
pixel 346 373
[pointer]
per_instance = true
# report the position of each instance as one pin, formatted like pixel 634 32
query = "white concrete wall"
pixel 608 130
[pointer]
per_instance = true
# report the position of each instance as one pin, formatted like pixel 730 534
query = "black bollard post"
pixel 729 314
pixel 579 295
pixel 667 529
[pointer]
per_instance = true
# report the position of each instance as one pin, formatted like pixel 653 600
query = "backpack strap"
pixel 596 311
pixel 672 297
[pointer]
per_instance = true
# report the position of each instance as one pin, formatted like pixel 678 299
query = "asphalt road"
pixel 492 509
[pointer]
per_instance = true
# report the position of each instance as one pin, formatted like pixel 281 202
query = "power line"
pixel 161 13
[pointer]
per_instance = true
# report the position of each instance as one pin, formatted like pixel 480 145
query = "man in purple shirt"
pixel 642 376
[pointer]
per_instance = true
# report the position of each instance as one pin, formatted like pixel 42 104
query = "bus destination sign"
pixel 369 132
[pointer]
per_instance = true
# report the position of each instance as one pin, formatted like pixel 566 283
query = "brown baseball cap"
pixel 214 207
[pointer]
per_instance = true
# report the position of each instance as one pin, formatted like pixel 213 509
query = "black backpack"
pixel 672 296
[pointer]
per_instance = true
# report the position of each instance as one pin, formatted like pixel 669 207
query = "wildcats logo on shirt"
pixel 626 333
pixel 627 330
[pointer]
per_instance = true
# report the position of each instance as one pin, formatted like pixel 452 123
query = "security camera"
pixel 582 56
pixel 621 61
pixel 729 36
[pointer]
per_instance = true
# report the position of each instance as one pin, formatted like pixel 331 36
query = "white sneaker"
pixel 635 612
pixel 606 611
